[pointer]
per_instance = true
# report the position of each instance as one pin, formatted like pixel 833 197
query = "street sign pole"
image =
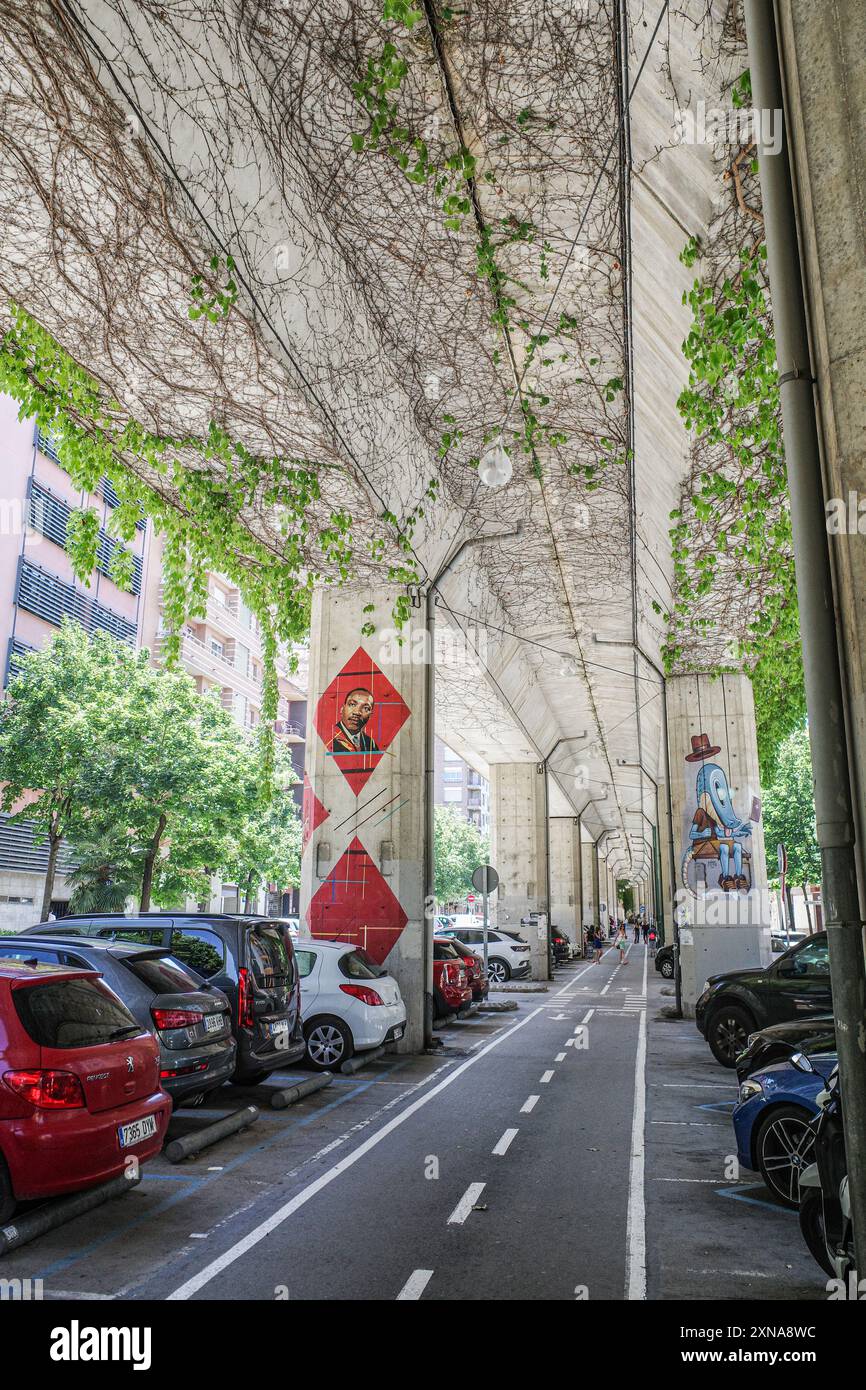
pixel 484 901
pixel 485 879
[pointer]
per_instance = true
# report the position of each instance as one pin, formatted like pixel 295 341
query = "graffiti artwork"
pixel 312 813
pixel 358 717
pixel 718 833
pixel 355 904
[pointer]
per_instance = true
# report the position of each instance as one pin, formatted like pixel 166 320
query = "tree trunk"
pixel 248 895
pixel 808 908
pixel 55 840
pixel 149 862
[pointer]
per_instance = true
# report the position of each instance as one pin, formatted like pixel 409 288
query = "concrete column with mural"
pixel 564 877
pixel 362 867
pixel 519 846
pixel 722 898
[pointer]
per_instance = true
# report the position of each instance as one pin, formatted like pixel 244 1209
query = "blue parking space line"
pixel 192 1184
pixel 738 1194
pixel 725 1106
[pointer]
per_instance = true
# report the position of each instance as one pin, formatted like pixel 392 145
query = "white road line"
pixel 529 1104
pixel 466 1203
pixel 635 1270
pixel 560 1057
pixel 587 1016
pixel 545 1077
pixel 252 1238
pixel 505 1142
pixel 414 1285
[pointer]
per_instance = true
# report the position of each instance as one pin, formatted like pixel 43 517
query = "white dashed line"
pixel 529 1104
pixel 505 1142
pixel 466 1203
pixel 545 1077
pixel 560 1057
pixel 415 1285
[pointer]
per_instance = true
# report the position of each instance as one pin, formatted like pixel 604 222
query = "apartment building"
pixel 459 786
pixel 37 590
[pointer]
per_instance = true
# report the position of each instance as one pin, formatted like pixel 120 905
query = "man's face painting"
pixel 356 710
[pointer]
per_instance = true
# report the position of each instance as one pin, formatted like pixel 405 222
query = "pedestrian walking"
pixel 645 930
pixel 652 941
pixel 636 933
pixel 621 944
pixel 598 942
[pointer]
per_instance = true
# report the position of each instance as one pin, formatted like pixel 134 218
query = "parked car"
pixel 251 959
pixel 561 946
pixel 778 1042
pixel 190 1019
pixel 735 1004
pixel 508 955
pixel 474 962
pixel 79 1083
pixel 772 1122
pixel 451 990
pixel 665 961
pixel 349 1002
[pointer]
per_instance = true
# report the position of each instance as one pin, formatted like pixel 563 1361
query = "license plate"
pixel 281 1026
pixel 398 1032
pixel 214 1023
pixel 138 1130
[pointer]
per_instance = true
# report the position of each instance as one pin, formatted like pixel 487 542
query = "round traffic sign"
pixel 485 878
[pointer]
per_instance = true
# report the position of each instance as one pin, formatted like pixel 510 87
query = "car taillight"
pixel 48 1090
pixel 450 972
pixel 168 1072
pixel 245 998
pixel 176 1018
pixel 362 992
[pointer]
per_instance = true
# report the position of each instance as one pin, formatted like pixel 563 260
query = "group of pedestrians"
pixel 639 927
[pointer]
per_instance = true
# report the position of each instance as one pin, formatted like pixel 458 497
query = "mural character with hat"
pixel 717 831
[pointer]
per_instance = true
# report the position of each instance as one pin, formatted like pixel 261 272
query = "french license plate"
pixel 136 1131
pixel 399 1031
pixel 214 1023
pixel 281 1026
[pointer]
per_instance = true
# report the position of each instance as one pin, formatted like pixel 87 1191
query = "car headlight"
pixel 749 1089
pixel 705 986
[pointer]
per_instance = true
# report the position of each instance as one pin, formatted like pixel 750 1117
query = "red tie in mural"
pixel 358 717
pixel 355 904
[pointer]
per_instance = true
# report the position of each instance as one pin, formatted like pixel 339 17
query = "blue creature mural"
pixel 717 831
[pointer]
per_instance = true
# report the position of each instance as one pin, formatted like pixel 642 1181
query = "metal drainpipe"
pixel 821 656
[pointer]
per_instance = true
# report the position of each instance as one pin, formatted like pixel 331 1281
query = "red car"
pixel 451 990
pixel 79 1083
pixel 474 963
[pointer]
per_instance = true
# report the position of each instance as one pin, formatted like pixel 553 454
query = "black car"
pixel 780 1041
pixel 190 1018
pixel 251 959
pixel 733 1005
pixel 665 961
pixel 561 946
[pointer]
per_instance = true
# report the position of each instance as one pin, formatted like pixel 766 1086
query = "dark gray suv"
pixel 251 959
pixel 190 1019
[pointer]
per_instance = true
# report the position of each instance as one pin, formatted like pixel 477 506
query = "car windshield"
pixel 445 950
pixel 73 1013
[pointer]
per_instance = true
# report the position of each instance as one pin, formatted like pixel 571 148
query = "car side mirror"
pixel 801 1062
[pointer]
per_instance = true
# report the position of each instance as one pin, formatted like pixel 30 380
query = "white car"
pixel 348 1002
pixel 508 956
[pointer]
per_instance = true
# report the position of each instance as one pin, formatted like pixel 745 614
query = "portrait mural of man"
pixel 357 718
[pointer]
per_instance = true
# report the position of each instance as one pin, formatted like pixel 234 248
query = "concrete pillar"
pixel 596 887
pixel 577 856
pixel 519 848
pixel 565 876
pixel 587 851
pixel 722 897
pixel 362 868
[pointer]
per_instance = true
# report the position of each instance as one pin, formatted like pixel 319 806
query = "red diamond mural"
pixel 355 904
pixel 358 717
pixel 312 813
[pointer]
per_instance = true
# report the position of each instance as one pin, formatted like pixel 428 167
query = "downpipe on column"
pixel 821 656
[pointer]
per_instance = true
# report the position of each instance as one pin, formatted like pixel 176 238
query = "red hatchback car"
pixel 79 1083
pixel 451 990
pixel 474 963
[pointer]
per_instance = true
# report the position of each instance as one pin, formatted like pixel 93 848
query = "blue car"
pixel 772 1122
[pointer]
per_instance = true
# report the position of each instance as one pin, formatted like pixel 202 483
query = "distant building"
pixel 459 786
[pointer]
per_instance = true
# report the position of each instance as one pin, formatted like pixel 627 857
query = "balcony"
pixel 197 658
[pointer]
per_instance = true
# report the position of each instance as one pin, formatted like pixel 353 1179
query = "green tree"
pixel 57 732
pixel 105 874
pixel 789 812
pixel 459 848
pixel 266 844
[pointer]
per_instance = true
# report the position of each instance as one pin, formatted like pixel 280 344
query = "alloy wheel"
pixel 496 972
pixel 731 1036
pixel 325 1045
pixel 787 1145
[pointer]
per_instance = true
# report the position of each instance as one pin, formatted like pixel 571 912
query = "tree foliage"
pixel 459 848
pixel 789 812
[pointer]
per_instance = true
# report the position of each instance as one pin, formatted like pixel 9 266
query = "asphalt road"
pixel 468 1191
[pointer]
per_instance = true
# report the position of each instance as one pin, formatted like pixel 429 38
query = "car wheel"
pixel 812 1227
pixel 498 971
pixel 784 1147
pixel 667 969
pixel 8 1204
pixel 329 1043
pixel 728 1032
